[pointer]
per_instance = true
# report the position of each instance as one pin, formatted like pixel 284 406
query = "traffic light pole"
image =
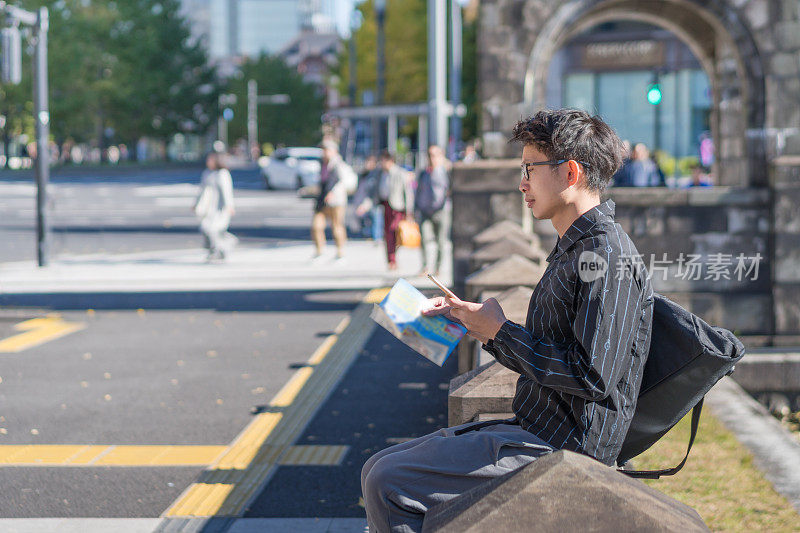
pixel 42 117
pixel 253 101
pixel 40 21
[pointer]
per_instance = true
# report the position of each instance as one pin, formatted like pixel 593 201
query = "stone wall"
pixel 750 50
pixel 703 222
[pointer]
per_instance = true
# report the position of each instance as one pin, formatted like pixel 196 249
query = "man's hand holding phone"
pixel 482 321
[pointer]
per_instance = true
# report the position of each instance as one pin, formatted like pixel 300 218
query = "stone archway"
pixel 714 31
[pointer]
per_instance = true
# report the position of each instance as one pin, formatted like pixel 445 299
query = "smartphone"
pixel 439 284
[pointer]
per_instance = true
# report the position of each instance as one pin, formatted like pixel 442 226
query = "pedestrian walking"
pixel 336 179
pixel 371 221
pixel 644 172
pixel 214 207
pixel 432 209
pixel 395 194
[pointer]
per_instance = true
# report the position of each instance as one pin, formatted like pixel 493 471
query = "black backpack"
pixel 687 357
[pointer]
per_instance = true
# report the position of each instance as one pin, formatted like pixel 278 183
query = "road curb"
pixel 776 452
pixel 295 408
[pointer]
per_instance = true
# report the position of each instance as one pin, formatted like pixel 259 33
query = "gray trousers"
pixel 404 481
pixel 435 231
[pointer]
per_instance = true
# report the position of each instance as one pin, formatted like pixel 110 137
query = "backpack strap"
pixel 655 474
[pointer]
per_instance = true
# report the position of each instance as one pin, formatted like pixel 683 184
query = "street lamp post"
pixel 226 114
pixel 253 99
pixel 40 21
pixel 455 75
pixel 355 24
pixel 380 17
pixel 437 72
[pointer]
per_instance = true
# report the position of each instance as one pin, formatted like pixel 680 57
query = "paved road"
pixel 195 369
pixel 133 212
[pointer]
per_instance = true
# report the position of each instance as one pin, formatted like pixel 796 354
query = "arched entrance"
pixel 713 31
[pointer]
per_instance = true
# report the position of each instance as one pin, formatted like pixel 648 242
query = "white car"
pixel 291 168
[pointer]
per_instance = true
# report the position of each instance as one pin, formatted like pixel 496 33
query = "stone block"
pixel 788 35
pixel 563 491
pixel 784 64
pixel 787 257
pixel 787 308
pixel 505 205
pixel 505 247
pixel 504 274
pixel 502 229
pixel 489 388
pixel 777 371
pixel 787 210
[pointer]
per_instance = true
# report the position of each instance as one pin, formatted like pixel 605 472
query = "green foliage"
pixel 296 123
pixel 407 57
pixel 122 66
pixel 469 78
pixel 667 163
pixel 406 52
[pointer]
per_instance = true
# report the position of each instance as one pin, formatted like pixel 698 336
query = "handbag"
pixel 408 234
pixel 687 357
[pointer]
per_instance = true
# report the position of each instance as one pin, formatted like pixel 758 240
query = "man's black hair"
pixel 574 134
pixel 386 155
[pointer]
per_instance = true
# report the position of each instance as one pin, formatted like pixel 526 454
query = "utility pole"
pixel 40 22
pixel 42 117
pixel 437 72
pixel 253 99
pixel 380 84
pixel 225 102
pixel 455 75
pixel 252 117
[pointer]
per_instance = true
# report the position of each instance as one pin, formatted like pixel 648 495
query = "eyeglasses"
pixel 524 166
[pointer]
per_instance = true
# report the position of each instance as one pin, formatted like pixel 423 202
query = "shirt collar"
pixel 602 212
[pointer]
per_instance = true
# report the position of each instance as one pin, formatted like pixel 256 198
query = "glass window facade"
pixel 616 87
pixel 621 99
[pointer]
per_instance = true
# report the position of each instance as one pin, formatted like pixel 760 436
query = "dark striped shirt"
pixel 582 350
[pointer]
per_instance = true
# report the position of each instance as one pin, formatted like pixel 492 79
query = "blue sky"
pixel 343 9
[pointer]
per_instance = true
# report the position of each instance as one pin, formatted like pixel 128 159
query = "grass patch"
pixel 719 480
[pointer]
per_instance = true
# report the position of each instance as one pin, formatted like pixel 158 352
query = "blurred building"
pixel 233 29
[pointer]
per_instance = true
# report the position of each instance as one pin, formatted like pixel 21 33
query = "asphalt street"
pixel 135 373
pixel 133 211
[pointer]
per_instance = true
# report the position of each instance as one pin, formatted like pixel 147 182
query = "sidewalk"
pixel 288 267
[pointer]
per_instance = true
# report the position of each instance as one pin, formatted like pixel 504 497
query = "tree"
pixel 406 52
pixel 295 123
pixel 162 71
pixel 127 68
pixel 407 57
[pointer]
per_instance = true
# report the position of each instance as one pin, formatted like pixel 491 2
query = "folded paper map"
pixel 401 314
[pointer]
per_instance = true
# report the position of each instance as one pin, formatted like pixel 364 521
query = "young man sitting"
pixel 580 354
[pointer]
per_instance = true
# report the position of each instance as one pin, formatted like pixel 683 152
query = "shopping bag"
pixel 408 234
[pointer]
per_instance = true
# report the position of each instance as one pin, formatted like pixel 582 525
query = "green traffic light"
pixel 654 94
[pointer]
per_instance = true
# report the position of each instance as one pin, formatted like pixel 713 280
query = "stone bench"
pixel 489 389
pixel 563 491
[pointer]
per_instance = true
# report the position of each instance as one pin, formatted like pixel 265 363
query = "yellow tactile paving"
pixel 38 331
pixel 376 295
pixel 244 467
pixel 312 455
pixel 245 447
pixel 86 454
pixel 289 392
pixel 160 455
pixel 80 455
